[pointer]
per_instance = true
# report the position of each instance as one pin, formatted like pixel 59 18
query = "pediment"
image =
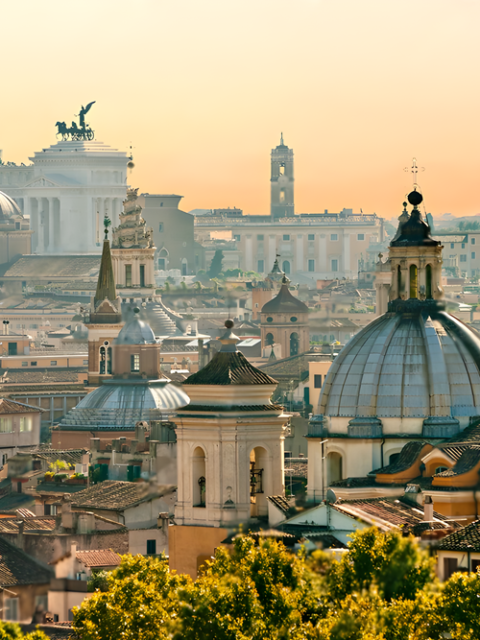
pixel 42 182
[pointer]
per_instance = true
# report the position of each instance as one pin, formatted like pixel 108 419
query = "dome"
pixel 406 366
pixel 8 207
pixel 284 302
pixel 136 331
pixel 120 404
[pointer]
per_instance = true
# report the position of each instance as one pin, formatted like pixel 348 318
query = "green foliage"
pixel 394 564
pixel 233 273
pixel 12 631
pixel 216 264
pixel 383 588
pixel 98 580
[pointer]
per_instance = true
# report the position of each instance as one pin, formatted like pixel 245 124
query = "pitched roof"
pixel 106 280
pixel 18 568
pixel 229 368
pixel 284 302
pixel 465 539
pixel 113 495
pixel 466 462
pixel 42 376
pixel 54 266
pixel 99 558
pixel 37 523
pixel 8 406
pixel 281 503
pixel 406 458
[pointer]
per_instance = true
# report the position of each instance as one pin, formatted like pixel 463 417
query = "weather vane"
pixel 414 169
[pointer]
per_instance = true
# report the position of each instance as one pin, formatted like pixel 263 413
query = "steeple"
pixel 281 139
pixel 106 280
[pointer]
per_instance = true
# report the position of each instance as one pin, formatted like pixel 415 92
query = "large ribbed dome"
pixel 8 207
pixel 407 366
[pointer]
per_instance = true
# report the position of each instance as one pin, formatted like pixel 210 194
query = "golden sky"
pixel 203 88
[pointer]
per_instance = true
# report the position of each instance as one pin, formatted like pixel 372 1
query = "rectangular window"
pixel 85 362
pixel 473 255
pixel 260 266
pixel 160 227
pixel 142 275
pixel 53 363
pixel 237 237
pixel 311 236
pixel 151 547
pixel 33 364
pixel 6 425
pixel 452 245
pixel 311 265
pixel 334 236
pixel 11 609
pixel 449 566
pixel 463 257
pixel 360 236
pixel 12 348
pixel 260 237
pixel 317 381
pixel 463 245
pixel 24 364
pixel 334 265
pixel 286 237
pixel 25 424
pixel 128 275
pixel 135 362
pixel 472 240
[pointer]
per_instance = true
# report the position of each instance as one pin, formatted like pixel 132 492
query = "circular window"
pixel 269 319
pixel 293 319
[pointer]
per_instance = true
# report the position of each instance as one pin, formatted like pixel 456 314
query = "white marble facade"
pixel 66 192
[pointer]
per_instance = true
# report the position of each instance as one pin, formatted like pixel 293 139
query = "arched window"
pixel 428 278
pixel 109 359
pixel 258 477
pixel 184 267
pixel 440 469
pixel 199 478
pixel 413 281
pixel 269 339
pixel 286 266
pixel 399 281
pixel 334 467
pixel 102 360
pixel 294 344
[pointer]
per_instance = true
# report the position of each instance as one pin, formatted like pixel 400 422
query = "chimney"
pixel 5 327
pixel 67 516
pixel 428 509
pixel 20 541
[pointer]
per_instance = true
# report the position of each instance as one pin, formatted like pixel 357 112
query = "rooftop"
pixel 7 407
pixel 18 568
pixel 284 302
pixel 229 368
pixel 114 495
pixel 465 539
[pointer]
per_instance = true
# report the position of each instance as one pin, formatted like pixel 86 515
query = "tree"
pixel 216 264
pixel 394 564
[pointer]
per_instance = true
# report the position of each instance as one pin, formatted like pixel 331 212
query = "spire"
pixel 412 230
pixel 281 139
pixel 106 281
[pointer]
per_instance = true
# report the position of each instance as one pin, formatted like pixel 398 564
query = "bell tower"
pixel 281 179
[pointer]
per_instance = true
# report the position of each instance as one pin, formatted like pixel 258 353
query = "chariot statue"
pixel 82 132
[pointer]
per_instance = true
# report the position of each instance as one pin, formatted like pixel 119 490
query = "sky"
pixel 201 89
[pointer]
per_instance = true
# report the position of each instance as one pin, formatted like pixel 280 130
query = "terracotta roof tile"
pixel 284 302
pixel 99 558
pixel 18 568
pixel 465 539
pixel 466 462
pixel 406 458
pixel 113 495
pixel 8 406
pixel 229 368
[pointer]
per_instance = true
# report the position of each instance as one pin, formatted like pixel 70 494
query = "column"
pixel 41 226
pixel 346 254
pixel 51 227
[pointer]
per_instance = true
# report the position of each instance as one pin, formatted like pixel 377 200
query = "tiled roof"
pixel 406 458
pixel 113 495
pixel 229 368
pixel 42 376
pixel 325 539
pixel 17 568
pixel 392 513
pixel 296 467
pixel 8 406
pixel 281 503
pixel 465 539
pixel 470 434
pixel 295 367
pixel 67 455
pixel 99 558
pixel 466 462
pixel 14 500
pixel 37 523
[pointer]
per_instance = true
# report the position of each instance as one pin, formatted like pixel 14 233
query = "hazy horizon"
pixel 203 90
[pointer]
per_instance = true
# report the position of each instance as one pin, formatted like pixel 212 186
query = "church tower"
pixel 105 319
pixel 281 179
pixel 230 442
